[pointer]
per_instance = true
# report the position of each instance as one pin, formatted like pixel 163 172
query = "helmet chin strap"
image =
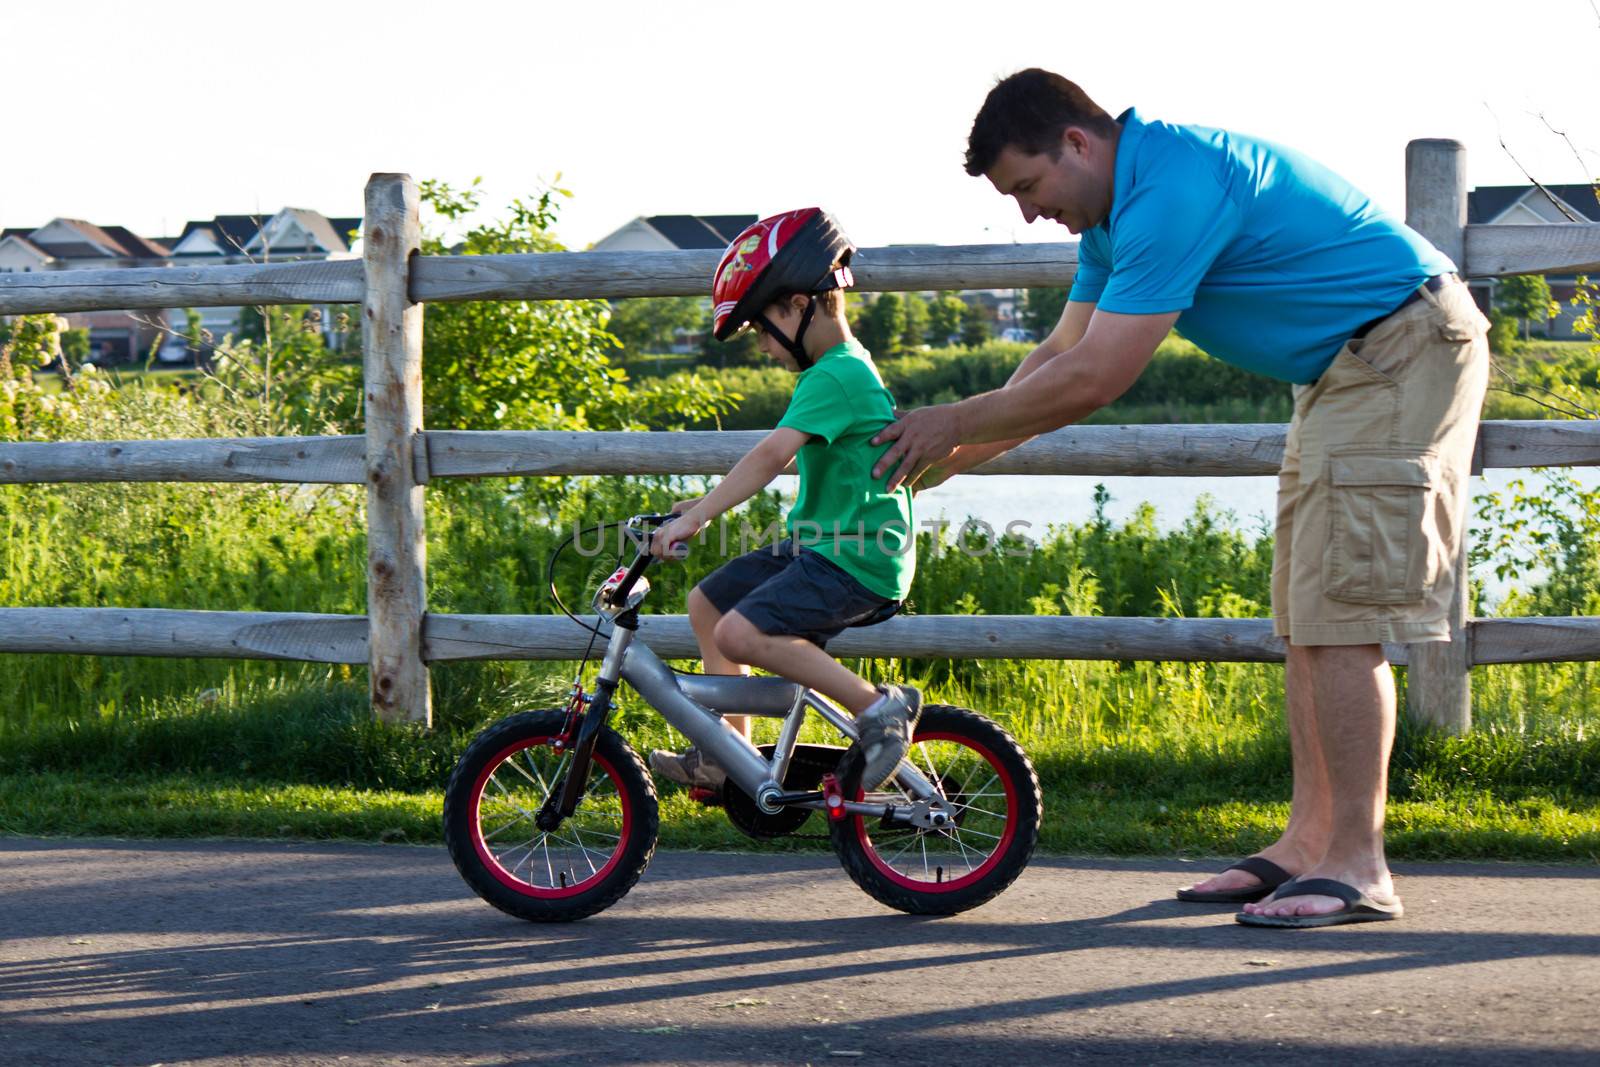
pixel 796 347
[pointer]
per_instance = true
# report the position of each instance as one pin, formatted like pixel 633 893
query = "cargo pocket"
pixel 1457 332
pixel 1377 547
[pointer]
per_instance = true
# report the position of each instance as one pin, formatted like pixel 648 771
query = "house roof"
pixel 136 246
pixel 685 231
pixel 344 227
pixel 699 231
pixel 1488 202
pixel 20 238
pixel 319 226
pixel 95 236
pixel 76 250
pixel 208 232
pixel 727 226
pixel 229 232
pixel 234 233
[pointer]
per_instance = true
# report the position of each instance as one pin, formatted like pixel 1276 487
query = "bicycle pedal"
pixel 711 798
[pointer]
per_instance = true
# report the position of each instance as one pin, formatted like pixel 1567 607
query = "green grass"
pixel 1136 758
pixel 1142 759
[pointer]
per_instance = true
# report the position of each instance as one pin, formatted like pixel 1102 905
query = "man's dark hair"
pixel 1028 111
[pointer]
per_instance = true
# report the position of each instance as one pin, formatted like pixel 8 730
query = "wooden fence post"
pixel 1439 678
pixel 391 335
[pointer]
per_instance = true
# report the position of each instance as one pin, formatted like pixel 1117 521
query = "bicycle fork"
pixel 563 800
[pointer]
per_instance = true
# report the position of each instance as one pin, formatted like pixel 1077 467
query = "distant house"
pixel 19 254
pixel 120 336
pixel 1526 205
pixel 73 244
pixel 292 234
pixel 667 233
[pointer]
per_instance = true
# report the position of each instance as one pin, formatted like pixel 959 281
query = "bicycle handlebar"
pixel 678 550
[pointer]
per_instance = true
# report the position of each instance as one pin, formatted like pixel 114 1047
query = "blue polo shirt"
pixel 1273 260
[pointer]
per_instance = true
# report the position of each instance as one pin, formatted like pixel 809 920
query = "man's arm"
pixel 1069 330
pixel 747 478
pixel 1113 352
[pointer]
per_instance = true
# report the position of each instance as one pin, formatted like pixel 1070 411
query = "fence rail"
pixel 343 638
pixel 396 457
pixel 1490 251
pixel 1212 451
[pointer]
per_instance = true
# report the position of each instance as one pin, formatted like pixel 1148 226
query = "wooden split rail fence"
pixel 397 457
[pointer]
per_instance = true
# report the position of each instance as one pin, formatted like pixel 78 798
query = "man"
pixel 1267 260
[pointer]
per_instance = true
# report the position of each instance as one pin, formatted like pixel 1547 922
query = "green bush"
pixel 1182 384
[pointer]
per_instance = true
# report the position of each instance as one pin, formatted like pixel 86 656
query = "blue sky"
pixel 145 115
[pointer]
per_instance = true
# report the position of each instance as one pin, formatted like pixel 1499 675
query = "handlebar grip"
pixel 678 550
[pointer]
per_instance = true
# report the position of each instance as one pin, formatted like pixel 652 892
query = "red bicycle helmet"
pixel 794 252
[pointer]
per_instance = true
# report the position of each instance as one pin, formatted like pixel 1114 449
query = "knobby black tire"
pixel 519 747
pixel 945 729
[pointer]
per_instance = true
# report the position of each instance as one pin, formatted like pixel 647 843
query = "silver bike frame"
pixel 695 703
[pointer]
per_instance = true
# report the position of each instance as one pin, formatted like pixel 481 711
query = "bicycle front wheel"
pixel 994 793
pixel 584 865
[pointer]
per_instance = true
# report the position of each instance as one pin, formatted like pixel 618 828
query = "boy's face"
pixel 786 317
pixel 1074 188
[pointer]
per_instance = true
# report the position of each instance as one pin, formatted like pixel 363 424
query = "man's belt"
pixel 1433 285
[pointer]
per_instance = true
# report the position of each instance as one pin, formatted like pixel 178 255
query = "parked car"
pixel 174 350
pixel 1013 333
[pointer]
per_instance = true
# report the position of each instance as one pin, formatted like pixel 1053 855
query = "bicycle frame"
pixel 695 703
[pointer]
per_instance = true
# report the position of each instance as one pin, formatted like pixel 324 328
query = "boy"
pixel 850 555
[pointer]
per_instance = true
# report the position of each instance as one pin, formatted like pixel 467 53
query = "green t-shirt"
pixel 842 511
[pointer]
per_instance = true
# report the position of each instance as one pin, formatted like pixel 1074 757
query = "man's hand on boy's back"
pixel 922 439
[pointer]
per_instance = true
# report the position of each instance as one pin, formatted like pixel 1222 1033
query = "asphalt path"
pixel 220 952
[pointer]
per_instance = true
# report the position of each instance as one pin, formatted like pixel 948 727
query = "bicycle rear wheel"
pixel 581 867
pixel 991 785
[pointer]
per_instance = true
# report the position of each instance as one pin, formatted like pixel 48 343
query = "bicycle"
pixel 551 816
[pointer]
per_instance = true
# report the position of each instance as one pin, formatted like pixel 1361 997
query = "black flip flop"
pixel 1272 876
pixel 1358 908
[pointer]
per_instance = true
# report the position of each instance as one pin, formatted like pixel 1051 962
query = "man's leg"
pixel 1305 837
pixel 1353 692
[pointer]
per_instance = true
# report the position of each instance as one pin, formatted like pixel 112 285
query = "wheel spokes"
pixel 972 788
pixel 516 789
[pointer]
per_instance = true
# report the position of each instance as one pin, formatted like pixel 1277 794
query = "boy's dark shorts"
pixel 784 590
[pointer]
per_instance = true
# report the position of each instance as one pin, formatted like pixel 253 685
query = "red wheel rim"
pixel 977 873
pixel 508 878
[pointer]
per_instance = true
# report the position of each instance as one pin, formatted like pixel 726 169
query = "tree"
pixel 194 334
pixel 75 346
pixel 944 319
pixel 1526 296
pixel 915 310
pixel 883 323
pixel 652 324
pixel 1041 310
pixel 974 326
pixel 523 364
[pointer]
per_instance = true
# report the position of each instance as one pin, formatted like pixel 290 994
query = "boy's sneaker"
pixel 886 729
pixel 691 768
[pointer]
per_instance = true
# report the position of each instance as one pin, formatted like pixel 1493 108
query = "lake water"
pixel 1042 500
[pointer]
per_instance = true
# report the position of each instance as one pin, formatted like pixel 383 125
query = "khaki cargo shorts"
pixel 1373 492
